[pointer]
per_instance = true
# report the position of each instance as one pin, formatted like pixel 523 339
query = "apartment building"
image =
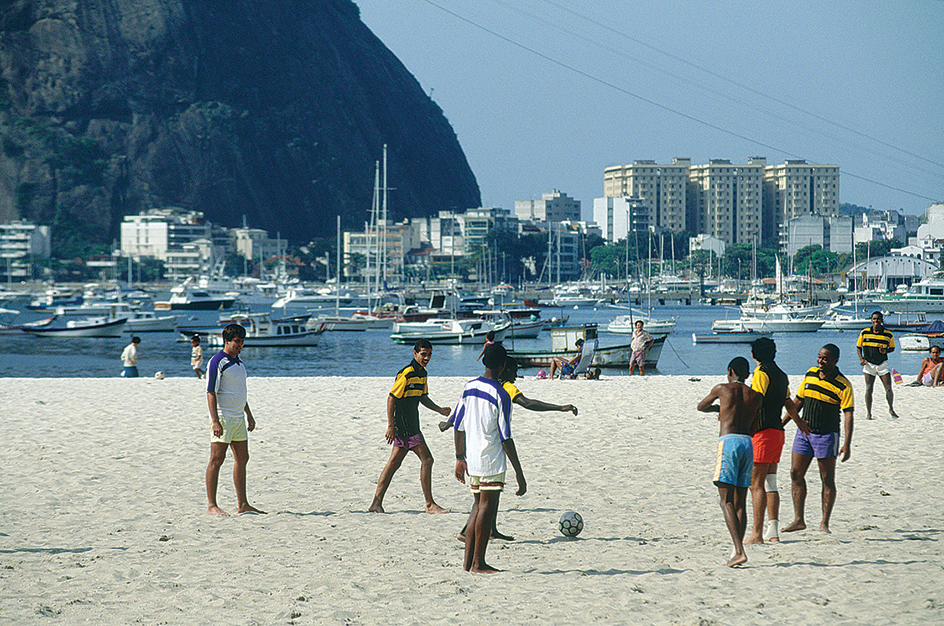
pixel 726 199
pixel 618 217
pixel 552 207
pixel 663 187
pixel 183 240
pixel 20 243
pixel 797 188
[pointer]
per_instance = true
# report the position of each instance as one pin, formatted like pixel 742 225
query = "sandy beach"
pixel 103 502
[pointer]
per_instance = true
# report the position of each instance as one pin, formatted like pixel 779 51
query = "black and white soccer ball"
pixel 159 375
pixel 570 524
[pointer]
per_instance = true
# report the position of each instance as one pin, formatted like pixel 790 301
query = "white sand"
pixel 102 518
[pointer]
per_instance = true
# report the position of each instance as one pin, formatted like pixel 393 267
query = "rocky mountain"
pixel 276 111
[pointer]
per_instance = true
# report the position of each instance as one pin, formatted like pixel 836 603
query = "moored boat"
pixel 262 331
pixel 91 327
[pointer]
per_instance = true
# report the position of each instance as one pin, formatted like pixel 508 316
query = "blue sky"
pixel 544 94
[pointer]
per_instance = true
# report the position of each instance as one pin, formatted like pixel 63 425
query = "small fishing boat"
pixel 264 332
pixel 563 345
pixel 742 335
pixel 90 327
pixel 449 331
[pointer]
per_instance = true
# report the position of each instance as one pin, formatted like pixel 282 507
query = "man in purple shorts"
pixel 403 426
pixel 823 394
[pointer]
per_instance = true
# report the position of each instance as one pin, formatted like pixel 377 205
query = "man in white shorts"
pixel 874 345
pixel 226 398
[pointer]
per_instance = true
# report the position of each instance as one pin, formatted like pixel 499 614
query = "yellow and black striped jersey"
pixel 823 399
pixel 875 344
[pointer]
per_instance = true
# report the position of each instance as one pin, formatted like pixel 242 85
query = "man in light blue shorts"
pixel 823 393
pixel 739 413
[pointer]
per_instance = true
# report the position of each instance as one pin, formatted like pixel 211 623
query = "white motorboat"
pixel 449 331
pixel 207 294
pixel 138 321
pixel 626 325
pixel 264 332
pixel 926 295
pixel 342 323
pixel 91 327
pixel 845 321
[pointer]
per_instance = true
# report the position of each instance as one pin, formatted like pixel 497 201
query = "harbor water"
pixel 373 353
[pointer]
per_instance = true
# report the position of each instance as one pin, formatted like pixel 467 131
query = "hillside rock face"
pixel 276 111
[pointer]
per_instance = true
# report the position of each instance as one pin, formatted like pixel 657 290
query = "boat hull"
pixel 108 329
pixel 729 337
pixel 605 356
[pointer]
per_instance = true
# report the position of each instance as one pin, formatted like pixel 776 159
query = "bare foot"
pixel 773 539
pixel 484 569
pixel 893 415
pixel 443 426
pixel 498 535
pixel 739 559
pixel 376 507
pixel 869 416
pixel 432 507
pixel 461 537
pixel 824 528
pixel 215 510
pixel 794 526
pixel 248 508
pixel 754 539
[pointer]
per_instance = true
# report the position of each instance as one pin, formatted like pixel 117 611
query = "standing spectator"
pixel 640 345
pixel 873 347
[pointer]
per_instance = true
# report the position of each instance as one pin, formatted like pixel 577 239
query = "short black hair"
pixel 422 343
pixel 740 367
pixel 764 349
pixel 135 340
pixel 833 349
pixel 495 356
pixel 511 365
pixel 232 332
pixel 195 338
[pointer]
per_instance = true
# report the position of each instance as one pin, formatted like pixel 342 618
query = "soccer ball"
pixel 542 374
pixel 570 524
pixel 159 375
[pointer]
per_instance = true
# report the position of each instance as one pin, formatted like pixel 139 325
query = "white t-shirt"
pixel 129 355
pixel 226 377
pixel 484 414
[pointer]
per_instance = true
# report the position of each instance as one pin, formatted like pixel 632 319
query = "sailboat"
pixel 840 318
pixel 626 324
pixel 338 322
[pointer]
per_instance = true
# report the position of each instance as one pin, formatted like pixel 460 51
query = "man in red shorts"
pixel 771 382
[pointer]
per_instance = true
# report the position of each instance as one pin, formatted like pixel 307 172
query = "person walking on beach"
pixel 566 366
pixel 931 373
pixel 129 357
pixel 483 441
pixel 874 345
pixel 403 426
pixel 196 356
pixel 738 411
pixel 507 379
pixel 227 401
pixel 822 395
pixel 640 344
pixel 772 383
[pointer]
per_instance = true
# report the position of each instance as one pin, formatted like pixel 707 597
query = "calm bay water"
pixel 373 353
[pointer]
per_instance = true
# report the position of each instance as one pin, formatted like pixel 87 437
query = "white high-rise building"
pixel 663 187
pixel 617 217
pixel 797 188
pixel 727 199
pixel 552 207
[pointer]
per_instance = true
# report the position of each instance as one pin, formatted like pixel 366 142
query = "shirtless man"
pixel 739 413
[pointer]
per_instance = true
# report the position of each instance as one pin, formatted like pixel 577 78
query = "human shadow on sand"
pixel 609 572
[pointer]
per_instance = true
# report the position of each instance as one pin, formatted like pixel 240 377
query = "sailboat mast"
pixel 337 290
pixel 383 237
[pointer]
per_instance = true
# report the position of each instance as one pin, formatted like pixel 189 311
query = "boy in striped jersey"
pixel 823 393
pixel 873 346
pixel 403 426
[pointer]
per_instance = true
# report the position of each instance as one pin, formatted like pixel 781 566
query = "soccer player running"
pixel 739 413
pixel 874 345
pixel 483 441
pixel 403 426
pixel 771 382
pixel 822 395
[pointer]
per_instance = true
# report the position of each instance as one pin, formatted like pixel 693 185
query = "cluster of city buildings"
pixel 791 205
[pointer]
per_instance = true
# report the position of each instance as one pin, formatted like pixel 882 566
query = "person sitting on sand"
pixel 823 393
pixel 403 426
pixel 566 366
pixel 507 379
pixel 932 369
pixel 226 399
pixel 483 441
pixel 739 413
